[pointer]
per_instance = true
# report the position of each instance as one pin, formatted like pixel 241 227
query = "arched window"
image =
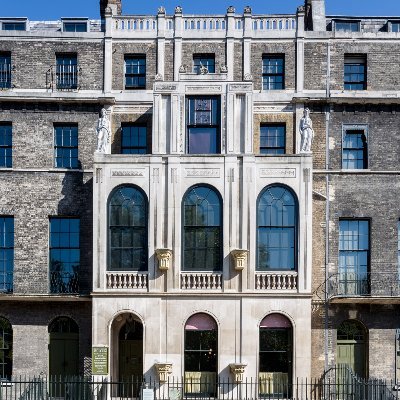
pixel 277 229
pixel 275 357
pixel 201 354
pixel 127 219
pixel 6 342
pixel 202 230
pixel 63 347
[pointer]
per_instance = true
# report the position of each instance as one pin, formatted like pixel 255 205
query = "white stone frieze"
pixel 277 173
pixel 137 172
pixel 205 89
pixel 202 172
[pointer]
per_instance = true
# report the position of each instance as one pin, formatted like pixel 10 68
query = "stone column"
pixel 247 33
pixel 178 28
pixel 230 43
pixel 300 50
pixel 108 51
pixel 161 25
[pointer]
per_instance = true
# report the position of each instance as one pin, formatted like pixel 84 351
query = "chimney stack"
pixel 115 5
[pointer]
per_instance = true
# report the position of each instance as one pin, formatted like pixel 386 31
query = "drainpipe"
pixel 327 208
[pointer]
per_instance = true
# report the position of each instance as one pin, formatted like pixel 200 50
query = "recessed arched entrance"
pixel 276 355
pixel 351 346
pixel 127 353
pixel 63 347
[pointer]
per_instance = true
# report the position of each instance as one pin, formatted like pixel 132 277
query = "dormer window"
pixel 74 25
pixel 13 24
pixel 394 26
pixel 347 26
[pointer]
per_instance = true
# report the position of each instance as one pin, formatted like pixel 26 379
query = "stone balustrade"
pixel 201 281
pixel 127 280
pixel 204 23
pixel 281 280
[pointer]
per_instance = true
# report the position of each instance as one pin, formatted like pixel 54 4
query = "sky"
pixel 55 9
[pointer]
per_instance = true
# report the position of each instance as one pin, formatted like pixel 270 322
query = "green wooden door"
pixel 352 353
pixel 64 354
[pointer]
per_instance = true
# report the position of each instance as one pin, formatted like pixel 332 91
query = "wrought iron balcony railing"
pixel 64 282
pixel 366 284
pixel 5 75
pixel 63 77
pixel 6 282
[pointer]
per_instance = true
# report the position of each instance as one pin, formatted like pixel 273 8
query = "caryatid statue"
pixel 103 132
pixel 306 132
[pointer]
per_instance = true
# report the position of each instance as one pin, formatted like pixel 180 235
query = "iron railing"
pixel 366 284
pixel 63 77
pixel 5 75
pixel 6 282
pixel 64 282
pixel 338 383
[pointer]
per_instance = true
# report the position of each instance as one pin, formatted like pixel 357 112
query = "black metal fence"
pixel 337 384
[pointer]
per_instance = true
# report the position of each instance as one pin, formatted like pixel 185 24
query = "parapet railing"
pixel 204 23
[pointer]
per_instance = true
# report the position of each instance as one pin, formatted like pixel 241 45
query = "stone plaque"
pixel 128 172
pixel 206 89
pixel 278 173
pixel 147 394
pixel 100 360
pixel 202 172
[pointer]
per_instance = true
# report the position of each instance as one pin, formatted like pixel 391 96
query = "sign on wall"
pixel 100 360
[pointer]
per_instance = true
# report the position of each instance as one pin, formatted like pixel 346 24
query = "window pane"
pixel 135 72
pixel 202 230
pixel 277 229
pixel 272 139
pixel 66 71
pixel 64 248
pixel 6 254
pixel 134 139
pixel 273 72
pixel 66 146
pixel 355 149
pixel 127 230
pixel 353 256
pixel 5 145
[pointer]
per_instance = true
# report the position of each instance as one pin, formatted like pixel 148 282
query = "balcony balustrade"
pixel 127 280
pixel 63 77
pixel 5 75
pixel 277 280
pixel 201 281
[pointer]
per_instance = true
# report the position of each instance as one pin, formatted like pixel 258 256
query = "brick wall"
pixel 257 51
pixel 190 48
pixel 30 323
pixel 32 59
pixel 120 49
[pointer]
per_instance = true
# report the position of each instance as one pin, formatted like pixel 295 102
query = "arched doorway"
pixel 130 345
pixel 276 355
pixel 351 346
pixel 127 355
pixel 63 347
pixel 6 342
pixel 201 355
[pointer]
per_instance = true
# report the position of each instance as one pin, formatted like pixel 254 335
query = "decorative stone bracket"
pixel 240 258
pixel 237 370
pixel 164 257
pixel 163 370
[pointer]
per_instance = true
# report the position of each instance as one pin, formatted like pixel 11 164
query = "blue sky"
pixel 54 9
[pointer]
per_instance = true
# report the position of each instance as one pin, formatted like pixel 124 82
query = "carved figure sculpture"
pixel 230 9
pixel 178 10
pixel 203 69
pixel 306 132
pixel 103 132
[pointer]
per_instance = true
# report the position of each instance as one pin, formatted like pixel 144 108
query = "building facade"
pixel 161 202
